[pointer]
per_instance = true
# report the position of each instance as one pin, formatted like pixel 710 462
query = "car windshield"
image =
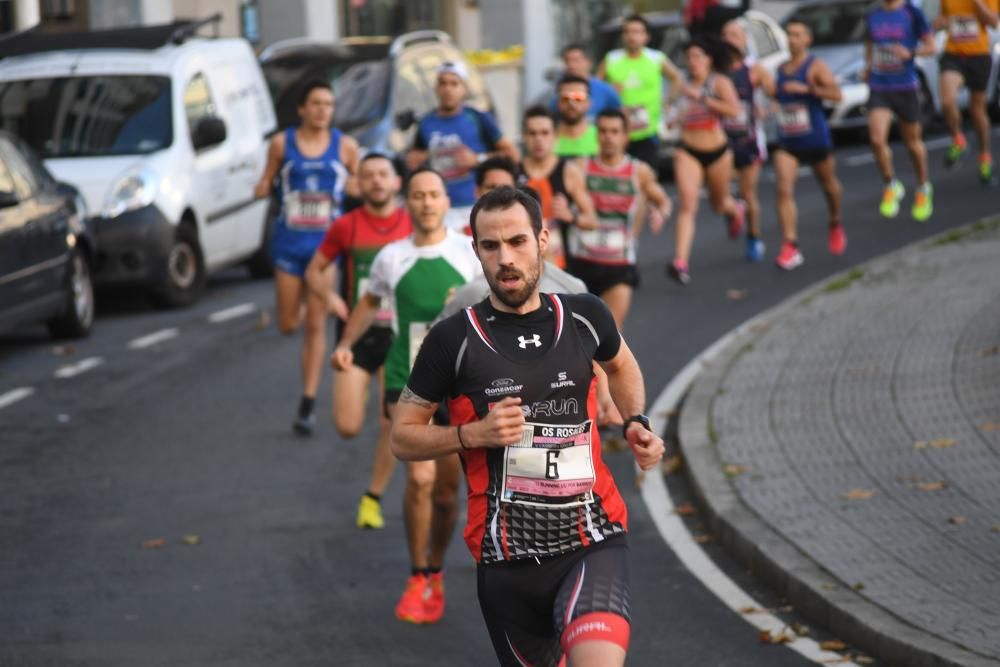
pixel 834 23
pixel 360 90
pixel 82 116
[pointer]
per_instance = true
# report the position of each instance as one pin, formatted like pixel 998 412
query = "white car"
pixel 163 133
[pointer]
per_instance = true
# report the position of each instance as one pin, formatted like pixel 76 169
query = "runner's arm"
pixel 987 15
pixel 350 156
pixel 727 102
pixel 657 196
pixel 314 275
pixel 669 70
pixel 926 46
pixel 506 148
pixel 629 395
pixel 361 318
pixel 822 83
pixel 763 79
pixel 275 155
pixel 576 187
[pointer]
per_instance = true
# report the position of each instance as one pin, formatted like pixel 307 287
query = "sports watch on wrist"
pixel 643 420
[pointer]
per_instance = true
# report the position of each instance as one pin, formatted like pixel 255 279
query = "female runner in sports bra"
pixel 704 154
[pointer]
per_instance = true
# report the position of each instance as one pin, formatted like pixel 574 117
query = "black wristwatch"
pixel 640 419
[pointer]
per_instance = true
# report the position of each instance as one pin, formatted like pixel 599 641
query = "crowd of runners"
pixel 486 293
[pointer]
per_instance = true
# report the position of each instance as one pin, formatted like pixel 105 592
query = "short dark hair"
pixel 495 163
pixel 538 111
pixel 376 155
pixel 423 170
pixel 568 79
pixel 801 23
pixel 575 46
pixel 637 18
pixel 503 198
pixel 612 113
pixel 310 86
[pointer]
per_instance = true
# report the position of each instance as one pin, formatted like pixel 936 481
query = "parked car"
pixel 165 134
pixel 381 85
pixel 767 43
pixel 46 247
pixel 838 28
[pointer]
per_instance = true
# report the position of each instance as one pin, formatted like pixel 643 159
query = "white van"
pixel 164 134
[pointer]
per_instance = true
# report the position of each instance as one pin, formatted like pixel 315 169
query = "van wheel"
pixel 260 265
pixel 78 317
pixel 184 274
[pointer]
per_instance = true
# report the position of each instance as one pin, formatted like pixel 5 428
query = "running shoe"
pixel 304 424
pixel 923 203
pixel 737 221
pixel 434 604
pixel 755 250
pixel 986 170
pixel 678 270
pixel 789 257
pixel 370 513
pixel 955 151
pixel 836 239
pixel 891 196
pixel 411 607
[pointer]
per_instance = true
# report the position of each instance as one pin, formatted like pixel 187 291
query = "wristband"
pixel 459 433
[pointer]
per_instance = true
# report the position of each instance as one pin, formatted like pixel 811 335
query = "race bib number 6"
pixel 552 466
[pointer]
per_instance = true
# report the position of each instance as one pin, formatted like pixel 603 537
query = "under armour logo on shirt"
pixel 523 342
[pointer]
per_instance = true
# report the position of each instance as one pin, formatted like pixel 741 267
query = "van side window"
pixel 198 102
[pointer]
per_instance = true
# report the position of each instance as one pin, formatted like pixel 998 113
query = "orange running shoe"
pixel 411 605
pixel 434 603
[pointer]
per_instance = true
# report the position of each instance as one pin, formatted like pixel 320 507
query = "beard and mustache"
pixel 518 297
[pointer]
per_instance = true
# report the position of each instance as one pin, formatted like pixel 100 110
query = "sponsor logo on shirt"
pixel 502 386
pixel 523 342
pixel 562 381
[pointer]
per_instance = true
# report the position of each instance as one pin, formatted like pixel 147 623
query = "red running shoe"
pixel 789 257
pixel 836 239
pixel 434 604
pixel 411 606
pixel 736 222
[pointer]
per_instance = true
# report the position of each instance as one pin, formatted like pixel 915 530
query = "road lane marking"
pixel 232 313
pixel 937 142
pixel 673 531
pixel 858 160
pixel 152 339
pixel 80 367
pixel 15 395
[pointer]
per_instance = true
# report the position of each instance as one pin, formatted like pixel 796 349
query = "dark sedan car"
pixel 45 248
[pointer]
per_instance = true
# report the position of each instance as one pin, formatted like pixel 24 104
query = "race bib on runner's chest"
pixel 886 60
pixel 308 211
pixel 741 122
pixel 418 331
pixel 552 466
pixel 602 243
pixel 638 118
pixel 794 120
pixel 964 28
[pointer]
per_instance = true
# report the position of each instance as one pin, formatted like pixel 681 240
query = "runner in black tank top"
pixel 545 520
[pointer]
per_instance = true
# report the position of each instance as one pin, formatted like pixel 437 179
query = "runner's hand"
pixel 342 358
pixel 560 208
pixel 796 88
pixel 693 92
pixel 658 216
pixel 335 305
pixel 503 426
pixel 646 446
pixel 902 52
pixel 466 159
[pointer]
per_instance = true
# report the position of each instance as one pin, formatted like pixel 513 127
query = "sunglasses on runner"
pixel 573 97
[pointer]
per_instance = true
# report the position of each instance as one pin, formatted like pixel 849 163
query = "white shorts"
pixel 457 218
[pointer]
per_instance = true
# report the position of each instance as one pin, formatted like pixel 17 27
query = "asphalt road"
pixel 190 437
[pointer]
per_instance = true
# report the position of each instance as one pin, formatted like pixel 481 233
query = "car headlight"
pixel 133 190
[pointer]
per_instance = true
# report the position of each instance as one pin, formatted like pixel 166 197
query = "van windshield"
pixel 83 116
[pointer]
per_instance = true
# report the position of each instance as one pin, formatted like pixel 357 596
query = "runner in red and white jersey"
pixel 546 522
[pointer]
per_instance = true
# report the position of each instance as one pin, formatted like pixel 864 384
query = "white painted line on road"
pixel 15 395
pixel 858 160
pixel 676 535
pixel 152 339
pixel 80 367
pixel 937 142
pixel 232 313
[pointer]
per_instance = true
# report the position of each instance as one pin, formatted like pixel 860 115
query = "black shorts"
pixel 746 152
pixel 647 150
pixel 705 158
pixel 599 278
pixel 536 610
pixel 392 396
pixel 809 156
pixel 905 104
pixel 372 348
pixel 975 70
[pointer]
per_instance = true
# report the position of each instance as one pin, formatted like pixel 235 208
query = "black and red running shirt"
pixel 551 493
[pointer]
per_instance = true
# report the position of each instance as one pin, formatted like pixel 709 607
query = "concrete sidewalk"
pixel 847 449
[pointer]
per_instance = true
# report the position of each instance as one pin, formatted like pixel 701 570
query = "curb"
pixel 773 559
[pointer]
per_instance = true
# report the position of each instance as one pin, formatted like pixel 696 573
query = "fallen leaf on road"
pixel 991 351
pixel 686 509
pixel 155 543
pixel 781 637
pixel 640 477
pixel 703 539
pixel 800 630
pixel 737 294
pixel 996 528
pixel 828 586
pixel 263 320
pixel 930 486
pixel 957 520
pixel 787 609
pixel 759 328
pixel 63 350
pixel 752 610
pixel 191 540
pixel 615 443
pixel 864 660
pixel 989 427
pixel 734 469
pixel 858 586
pixel 833 645
pixel 942 443
pixel 836 661
pixel 858 494
pixel 672 464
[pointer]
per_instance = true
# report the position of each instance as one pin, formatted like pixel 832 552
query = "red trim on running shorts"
pixel 599 626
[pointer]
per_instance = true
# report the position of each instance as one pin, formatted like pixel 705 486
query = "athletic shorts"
pixel 599 278
pixel 974 69
pixel 746 152
pixel 705 158
pixel 808 156
pixel 372 348
pixel 647 150
pixel 392 396
pixel 905 104
pixel 293 259
pixel 535 611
